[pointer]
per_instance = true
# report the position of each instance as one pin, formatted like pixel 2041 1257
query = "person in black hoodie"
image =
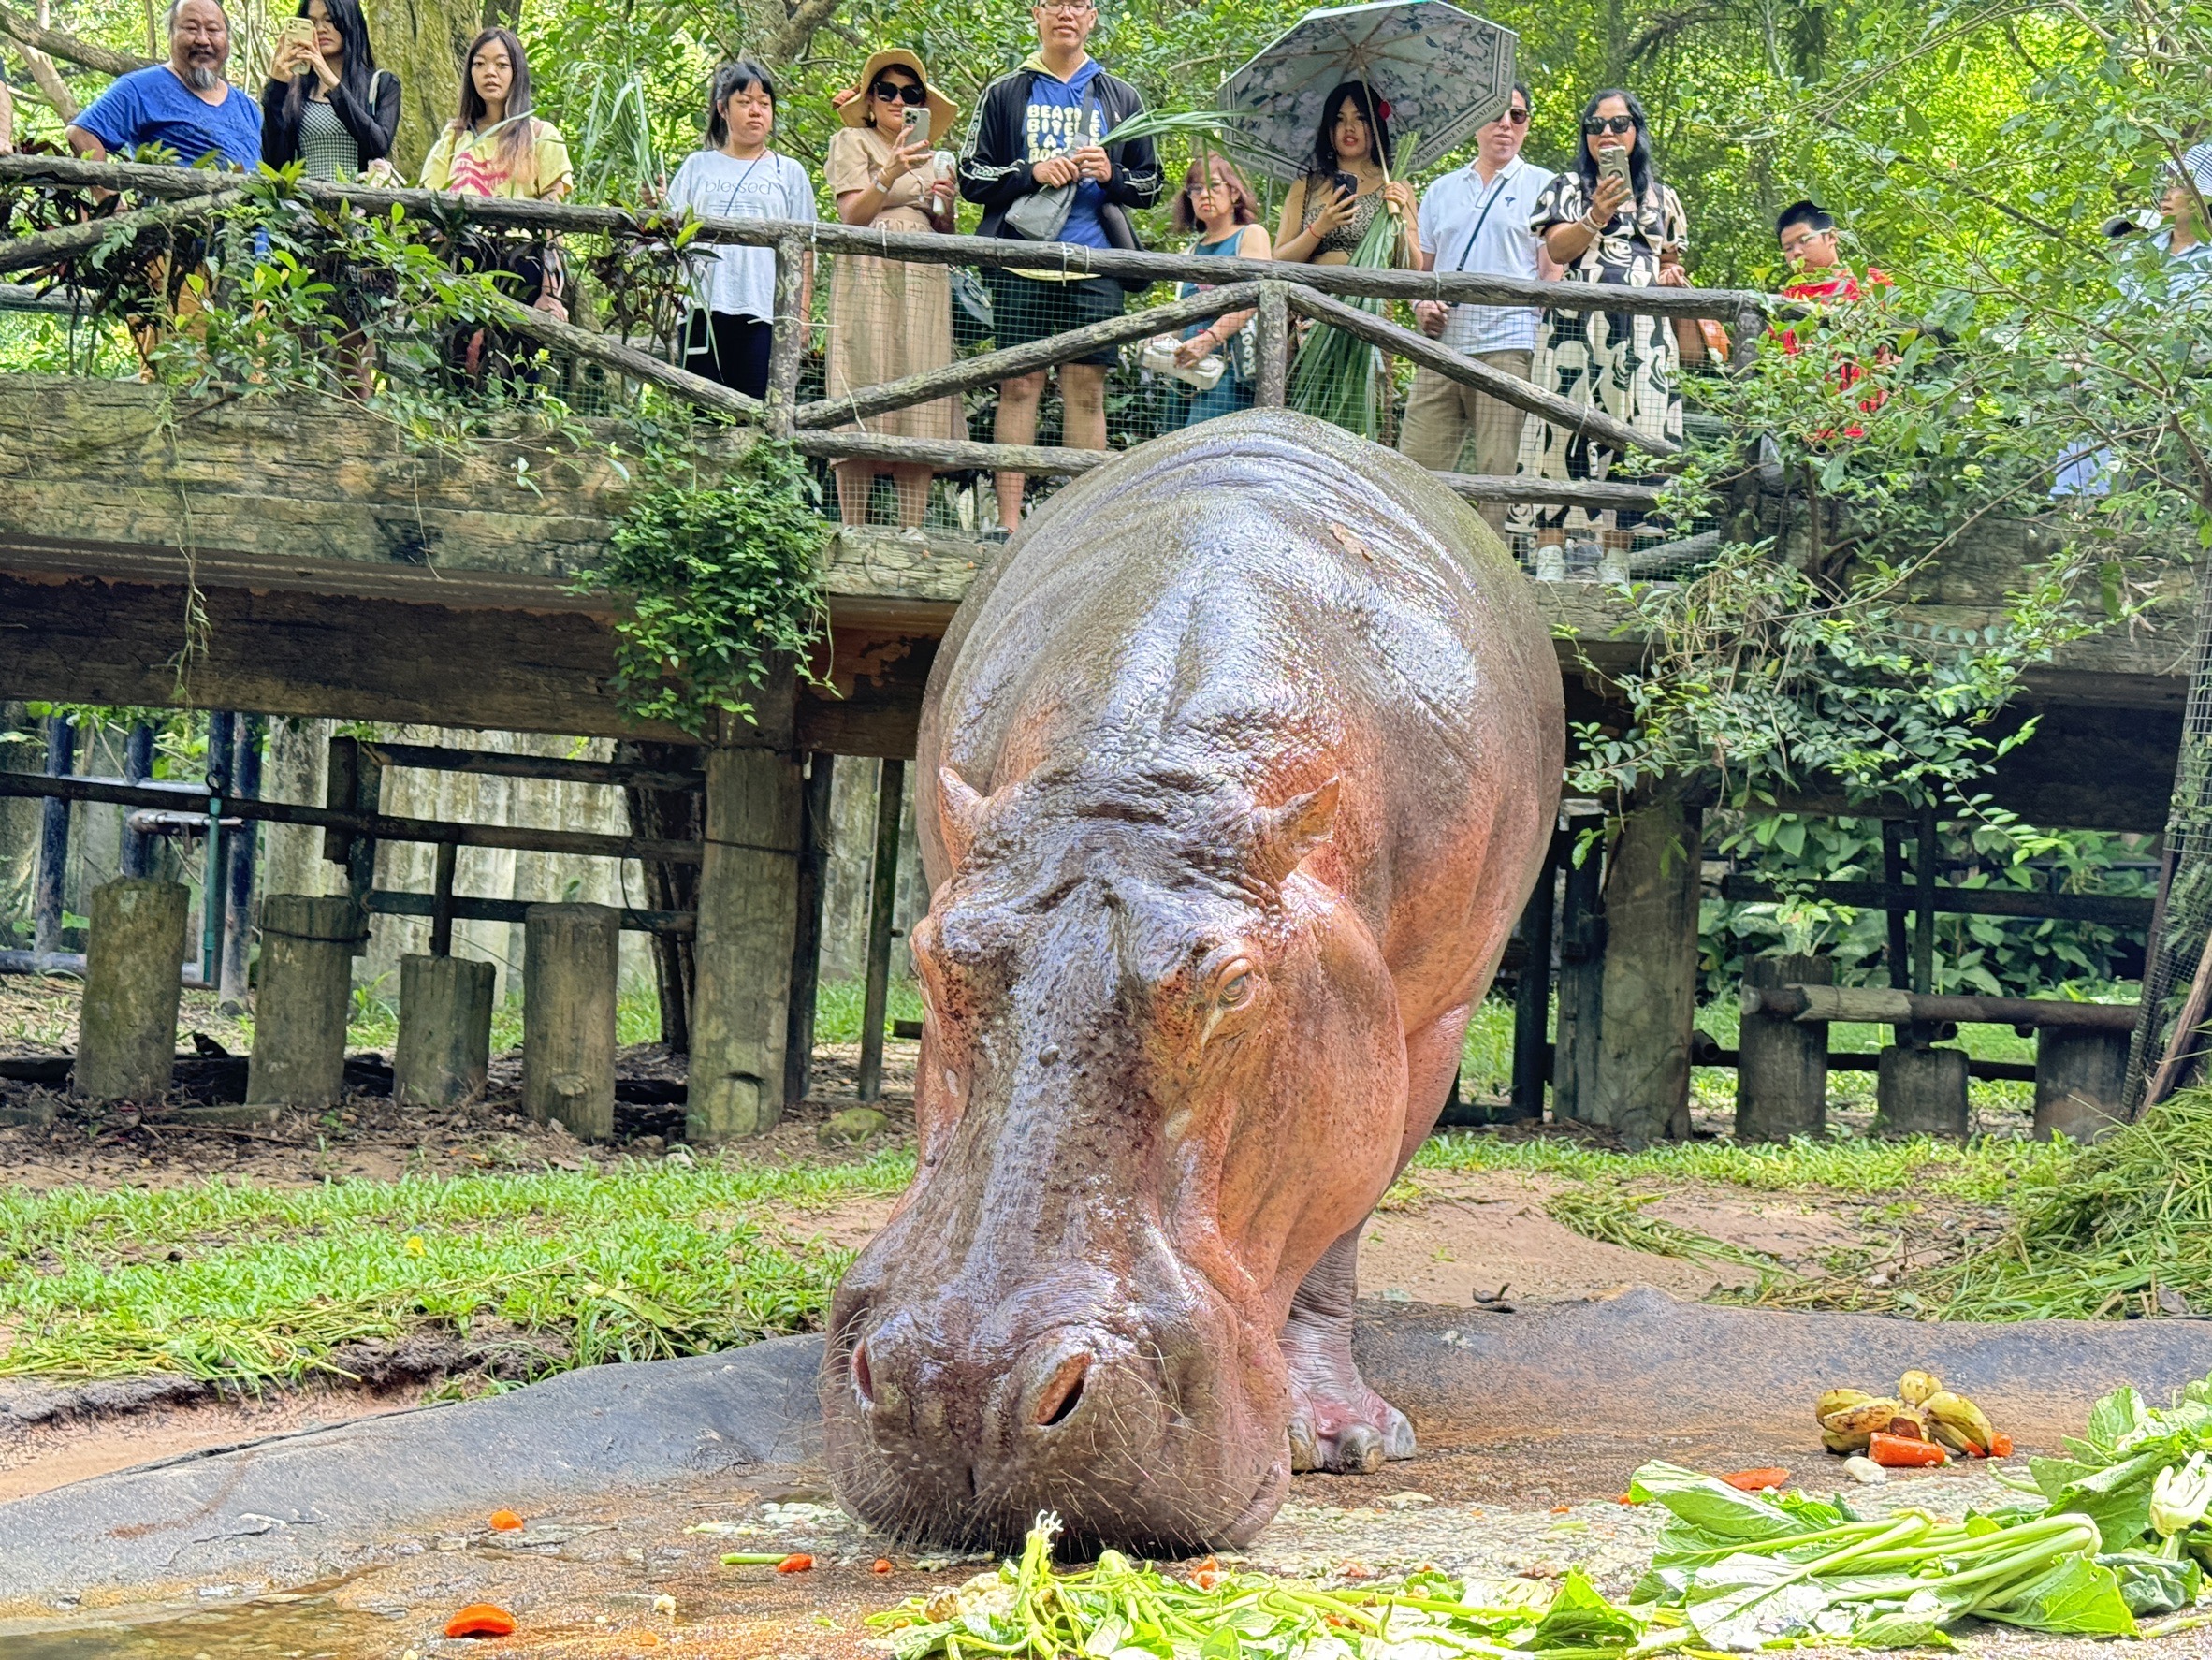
pixel 326 104
pixel 1040 129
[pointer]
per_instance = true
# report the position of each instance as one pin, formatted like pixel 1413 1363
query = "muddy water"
pixel 300 1626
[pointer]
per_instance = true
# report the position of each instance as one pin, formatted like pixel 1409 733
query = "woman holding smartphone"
pixel 1610 220
pixel 888 318
pixel 1327 212
pixel 326 104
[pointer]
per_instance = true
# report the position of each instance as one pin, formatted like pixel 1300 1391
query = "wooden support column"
pixel 1581 975
pixel 1648 1000
pixel 2080 1083
pixel 306 950
pixel 882 902
pixel 135 856
pixel 443 1053
pixel 571 960
pixel 1271 386
pixel 238 859
pixel 805 951
pixel 126 1034
pixel 787 349
pixel 1531 996
pixel 748 920
pixel 1782 1073
pixel 53 839
pixel 1920 1092
pixel 215 886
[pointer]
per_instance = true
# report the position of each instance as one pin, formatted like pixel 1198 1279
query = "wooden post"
pixel 882 900
pixel 1650 996
pixel 53 839
pixel 805 950
pixel 1531 996
pixel 238 906
pixel 1751 324
pixel 1582 977
pixel 444 1048
pixel 1899 954
pixel 307 949
pixel 135 856
pixel 448 855
pixel 569 963
pixel 215 886
pixel 1924 907
pixel 787 351
pixel 126 1033
pixel 1920 1092
pixel 748 920
pixel 1781 1074
pixel 1271 386
pixel 2081 1080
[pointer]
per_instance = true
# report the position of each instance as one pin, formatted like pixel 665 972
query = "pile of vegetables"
pixel 2142 1474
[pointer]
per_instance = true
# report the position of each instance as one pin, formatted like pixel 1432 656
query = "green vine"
pixel 718 579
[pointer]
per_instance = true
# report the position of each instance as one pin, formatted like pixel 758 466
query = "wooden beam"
pixel 1874 1005
pixel 1480 487
pixel 60 43
pixel 1472 372
pixel 990 368
pixel 916 247
pixel 492 762
pixel 2112 911
pixel 392 902
pixel 51 247
pixel 948 455
pixel 606 350
pixel 1271 386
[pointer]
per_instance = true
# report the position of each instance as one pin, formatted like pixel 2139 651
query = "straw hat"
pixel 944 115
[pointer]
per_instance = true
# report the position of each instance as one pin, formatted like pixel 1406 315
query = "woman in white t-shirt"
pixel 736 176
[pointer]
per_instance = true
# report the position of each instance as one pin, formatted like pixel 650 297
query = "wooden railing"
pixel 1276 290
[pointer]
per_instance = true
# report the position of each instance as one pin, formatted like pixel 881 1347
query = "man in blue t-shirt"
pixel 184 106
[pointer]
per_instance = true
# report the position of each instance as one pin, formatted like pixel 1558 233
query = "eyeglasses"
pixel 890 91
pixel 1066 7
pixel 1518 116
pixel 1609 124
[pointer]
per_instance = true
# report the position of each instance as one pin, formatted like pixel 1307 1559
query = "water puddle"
pixel 281 1627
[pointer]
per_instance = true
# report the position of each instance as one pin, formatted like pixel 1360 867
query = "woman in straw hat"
pixel 888 318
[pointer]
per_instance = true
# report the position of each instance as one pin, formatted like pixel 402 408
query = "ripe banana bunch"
pixel 1921 1410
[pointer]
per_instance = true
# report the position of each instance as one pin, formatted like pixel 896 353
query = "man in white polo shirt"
pixel 1476 219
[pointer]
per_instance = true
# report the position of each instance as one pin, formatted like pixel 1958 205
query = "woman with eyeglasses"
pixel 1218 209
pixel 1604 228
pixel 889 318
pixel 1327 213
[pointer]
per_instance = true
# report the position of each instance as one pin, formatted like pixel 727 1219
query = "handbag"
pixel 1043 214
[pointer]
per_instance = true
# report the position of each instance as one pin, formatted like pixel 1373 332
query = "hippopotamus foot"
pixel 1337 1423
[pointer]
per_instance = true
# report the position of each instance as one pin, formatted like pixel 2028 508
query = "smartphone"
pixel 915 124
pixel 1347 184
pixel 1613 164
pixel 302 29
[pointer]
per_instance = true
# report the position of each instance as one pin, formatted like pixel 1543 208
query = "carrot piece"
pixel 797 1563
pixel 2001 1445
pixel 1899 1453
pixel 882 1565
pixel 481 1619
pixel 1755 1480
pixel 505 1522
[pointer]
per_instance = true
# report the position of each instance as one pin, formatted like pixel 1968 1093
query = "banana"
pixel 1836 1400
pixel 1915 1387
pixel 1957 1422
pixel 1863 1418
pixel 1837 1442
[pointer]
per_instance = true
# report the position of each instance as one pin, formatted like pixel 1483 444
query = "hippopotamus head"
pixel 1147 1011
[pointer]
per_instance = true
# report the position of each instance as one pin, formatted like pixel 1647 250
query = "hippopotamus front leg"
pixel 1337 1423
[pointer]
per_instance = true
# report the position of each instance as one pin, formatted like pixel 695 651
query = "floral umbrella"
pixel 1442 71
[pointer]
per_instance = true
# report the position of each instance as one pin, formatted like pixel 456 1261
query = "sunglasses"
pixel 1516 116
pixel 887 92
pixel 1609 124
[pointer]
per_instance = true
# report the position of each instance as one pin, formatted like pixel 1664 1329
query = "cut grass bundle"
pixel 1339 378
pixel 1614 1217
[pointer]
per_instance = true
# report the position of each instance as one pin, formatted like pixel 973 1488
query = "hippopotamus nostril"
pixel 1061 1391
pixel 864 1382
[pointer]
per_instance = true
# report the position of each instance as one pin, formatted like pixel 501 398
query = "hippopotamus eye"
pixel 1236 990
pixel 1235 984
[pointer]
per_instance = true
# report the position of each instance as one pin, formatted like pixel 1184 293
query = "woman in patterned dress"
pixel 1322 222
pixel 1627 364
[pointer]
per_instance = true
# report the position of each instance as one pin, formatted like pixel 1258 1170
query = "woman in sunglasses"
pixel 888 318
pixel 1604 227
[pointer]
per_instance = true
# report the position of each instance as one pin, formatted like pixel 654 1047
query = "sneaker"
pixel 996 533
pixel 1550 562
pixel 1613 566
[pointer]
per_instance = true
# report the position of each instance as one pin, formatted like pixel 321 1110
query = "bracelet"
pixel 1592 225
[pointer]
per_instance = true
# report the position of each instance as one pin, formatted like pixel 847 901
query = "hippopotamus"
pixel 1234 769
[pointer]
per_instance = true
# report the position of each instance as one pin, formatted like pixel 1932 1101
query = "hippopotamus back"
pixel 1234 771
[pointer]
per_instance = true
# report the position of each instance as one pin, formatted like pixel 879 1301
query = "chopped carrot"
pixel 1756 1480
pixel 505 1522
pixel 481 1619
pixel 1626 1499
pixel 1206 1574
pixel 1561 1509
pixel 2001 1445
pixel 882 1565
pixel 1898 1452
pixel 798 1562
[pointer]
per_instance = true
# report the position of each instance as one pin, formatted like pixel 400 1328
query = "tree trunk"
pixel 422 42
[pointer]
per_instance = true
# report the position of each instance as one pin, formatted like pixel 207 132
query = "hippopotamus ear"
pixel 1286 834
pixel 962 812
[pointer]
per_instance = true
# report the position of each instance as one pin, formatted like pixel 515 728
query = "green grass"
pixel 838 1006
pixel 643 1262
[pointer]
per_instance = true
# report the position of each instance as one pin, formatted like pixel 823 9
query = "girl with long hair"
pixel 326 104
pixel 1327 213
pixel 496 146
pixel 1217 209
pixel 1632 233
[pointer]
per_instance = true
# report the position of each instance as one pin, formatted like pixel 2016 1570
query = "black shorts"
pixel 1024 309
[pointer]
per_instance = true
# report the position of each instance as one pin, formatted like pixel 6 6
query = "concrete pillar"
pixel 2080 1083
pixel 570 957
pixel 305 994
pixel 127 1035
pixel 1782 1073
pixel 749 901
pixel 1920 1092
pixel 1650 996
pixel 445 1047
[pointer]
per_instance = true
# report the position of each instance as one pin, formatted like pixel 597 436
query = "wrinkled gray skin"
pixel 1234 771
